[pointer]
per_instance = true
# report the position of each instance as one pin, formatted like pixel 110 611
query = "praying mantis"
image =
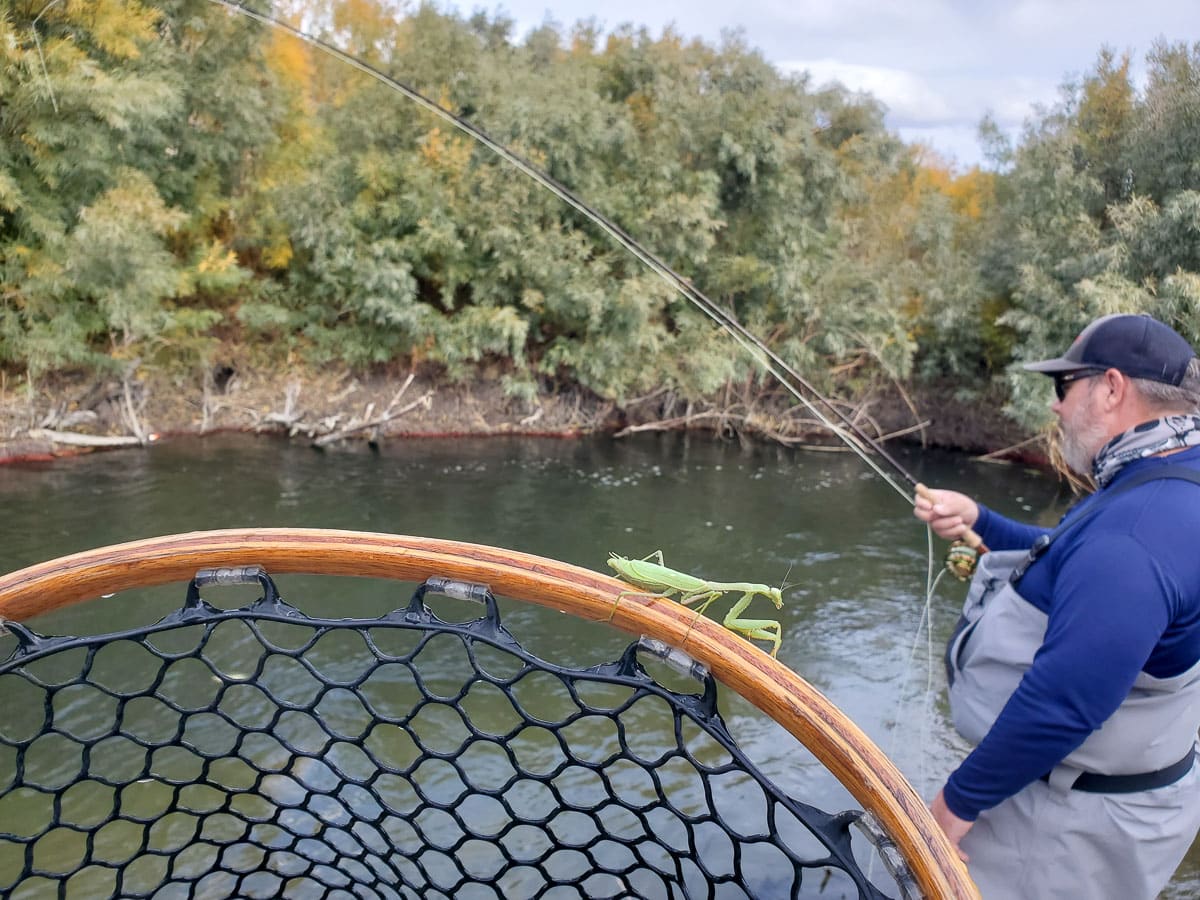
pixel 659 580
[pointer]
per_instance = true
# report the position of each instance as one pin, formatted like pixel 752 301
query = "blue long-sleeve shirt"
pixel 1122 595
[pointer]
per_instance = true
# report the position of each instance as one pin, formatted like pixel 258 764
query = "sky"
pixel 938 66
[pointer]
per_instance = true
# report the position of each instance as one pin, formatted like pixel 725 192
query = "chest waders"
pixel 1119 812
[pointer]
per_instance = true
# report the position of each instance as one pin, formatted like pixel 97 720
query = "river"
pixel 726 511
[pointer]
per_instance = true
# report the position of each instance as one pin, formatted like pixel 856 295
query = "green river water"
pixel 721 510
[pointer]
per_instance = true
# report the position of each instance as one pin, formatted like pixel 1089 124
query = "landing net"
pixel 260 752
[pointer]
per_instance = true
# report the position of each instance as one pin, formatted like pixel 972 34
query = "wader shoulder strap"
pixel 1042 544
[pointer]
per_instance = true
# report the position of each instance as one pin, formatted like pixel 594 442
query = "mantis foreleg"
pixel 762 629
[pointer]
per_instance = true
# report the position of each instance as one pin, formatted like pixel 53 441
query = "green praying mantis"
pixel 659 580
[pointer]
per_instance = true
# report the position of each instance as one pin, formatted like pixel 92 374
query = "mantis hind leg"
pixel 612 612
pixel 756 629
pixel 705 598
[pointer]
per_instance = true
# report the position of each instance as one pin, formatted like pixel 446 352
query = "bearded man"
pixel 1075 669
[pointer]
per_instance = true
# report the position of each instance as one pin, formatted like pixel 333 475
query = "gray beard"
pixel 1080 444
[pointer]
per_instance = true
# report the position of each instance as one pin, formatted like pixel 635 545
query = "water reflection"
pixel 204 750
pixel 722 511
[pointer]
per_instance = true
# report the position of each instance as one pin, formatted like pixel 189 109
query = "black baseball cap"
pixel 1138 346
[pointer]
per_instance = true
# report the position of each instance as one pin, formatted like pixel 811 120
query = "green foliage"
pixel 1104 121
pixel 172 176
pixel 1100 212
pixel 118 159
pixel 116 258
pixel 1164 149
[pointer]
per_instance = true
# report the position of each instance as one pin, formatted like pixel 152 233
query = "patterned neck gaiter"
pixel 1147 439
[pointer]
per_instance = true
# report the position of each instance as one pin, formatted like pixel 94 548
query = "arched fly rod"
pixel 829 415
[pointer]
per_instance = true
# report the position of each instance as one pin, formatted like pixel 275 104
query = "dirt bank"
pixel 72 414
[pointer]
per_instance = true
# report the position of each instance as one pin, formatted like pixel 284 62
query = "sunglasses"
pixel 1063 382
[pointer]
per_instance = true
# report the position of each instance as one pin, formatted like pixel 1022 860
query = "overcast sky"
pixel 938 65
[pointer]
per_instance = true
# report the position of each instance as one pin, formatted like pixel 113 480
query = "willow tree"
pixel 1098 212
pixel 121 145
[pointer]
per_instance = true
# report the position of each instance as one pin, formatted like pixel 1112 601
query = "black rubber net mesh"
pixel 259 752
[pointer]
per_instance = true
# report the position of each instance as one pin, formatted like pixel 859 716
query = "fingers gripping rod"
pixel 964 553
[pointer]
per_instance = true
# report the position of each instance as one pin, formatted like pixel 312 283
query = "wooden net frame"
pixel 838 744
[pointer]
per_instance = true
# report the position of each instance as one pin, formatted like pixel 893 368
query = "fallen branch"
pixel 899 386
pixel 645 398
pixel 128 412
pixel 206 401
pixel 676 422
pixel 326 439
pixel 75 439
pixel 995 455
pixel 916 426
pixel 532 417
pixel 799 442
pixel 344 393
pixel 400 393
pixel 289 417
pixel 754 423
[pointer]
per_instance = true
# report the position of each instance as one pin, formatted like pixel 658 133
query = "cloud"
pixel 921 100
pixel 909 97
pixel 939 111
pixel 858 19
pixel 1011 100
pixel 952 143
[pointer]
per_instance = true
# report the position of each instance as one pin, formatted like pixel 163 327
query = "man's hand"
pixel 954 827
pixel 949 513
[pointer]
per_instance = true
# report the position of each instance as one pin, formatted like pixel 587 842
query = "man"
pixel 1076 667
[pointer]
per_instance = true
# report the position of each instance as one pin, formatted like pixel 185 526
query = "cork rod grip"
pixel 969 537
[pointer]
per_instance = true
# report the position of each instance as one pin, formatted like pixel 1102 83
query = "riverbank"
pixel 71 414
